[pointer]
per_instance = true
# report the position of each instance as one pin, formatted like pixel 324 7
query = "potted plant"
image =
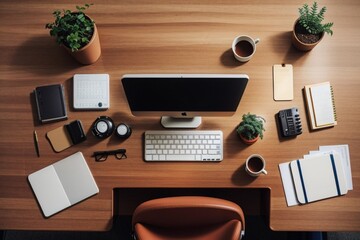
pixel 251 128
pixel 77 32
pixel 308 29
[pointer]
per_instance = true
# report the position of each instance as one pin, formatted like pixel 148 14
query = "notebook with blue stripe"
pixel 318 177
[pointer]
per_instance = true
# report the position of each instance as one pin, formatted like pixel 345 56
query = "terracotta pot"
pixel 300 45
pixel 90 53
pixel 247 141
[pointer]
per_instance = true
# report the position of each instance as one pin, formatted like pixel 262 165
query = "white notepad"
pixel 318 177
pixel 63 184
pixel 320 105
pixel 323 105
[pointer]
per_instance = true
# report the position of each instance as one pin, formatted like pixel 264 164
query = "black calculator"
pixel 289 121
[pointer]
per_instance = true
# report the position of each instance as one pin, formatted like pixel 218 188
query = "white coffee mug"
pixel 244 47
pixel 255 165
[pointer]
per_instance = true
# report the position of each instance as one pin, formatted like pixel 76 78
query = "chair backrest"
pixel 187 212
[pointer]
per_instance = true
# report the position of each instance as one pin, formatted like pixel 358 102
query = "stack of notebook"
pixel 319 175
pixel 320 105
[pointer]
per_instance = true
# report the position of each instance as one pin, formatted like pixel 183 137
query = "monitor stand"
pixel 173 122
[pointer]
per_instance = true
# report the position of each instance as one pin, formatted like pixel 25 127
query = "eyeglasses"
pixel 102 156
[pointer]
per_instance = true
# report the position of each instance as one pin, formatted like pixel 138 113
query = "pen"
pixel 36 144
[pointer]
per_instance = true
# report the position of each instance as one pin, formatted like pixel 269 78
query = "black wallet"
pixel 76 132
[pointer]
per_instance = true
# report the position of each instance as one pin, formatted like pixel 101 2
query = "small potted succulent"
pixel 251 128
pixel 77 32
pixel 308 29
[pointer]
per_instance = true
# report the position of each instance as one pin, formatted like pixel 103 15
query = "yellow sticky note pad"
pixel 283 82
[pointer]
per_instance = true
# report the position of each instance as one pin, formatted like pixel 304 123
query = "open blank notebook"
pixel 63 184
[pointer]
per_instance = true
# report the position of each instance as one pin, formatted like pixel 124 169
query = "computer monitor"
pixel 181 99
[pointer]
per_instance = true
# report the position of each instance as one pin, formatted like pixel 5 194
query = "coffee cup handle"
pixel 264 171
pixel 257 40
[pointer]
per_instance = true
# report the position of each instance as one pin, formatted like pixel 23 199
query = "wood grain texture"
pixel 175 37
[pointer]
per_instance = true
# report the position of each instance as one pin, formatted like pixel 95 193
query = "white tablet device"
pixel 91 91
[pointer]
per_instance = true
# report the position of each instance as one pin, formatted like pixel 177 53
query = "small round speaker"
pixel 103 127
pixel 123 131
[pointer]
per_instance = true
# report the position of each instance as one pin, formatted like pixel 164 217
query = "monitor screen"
pixel 184 95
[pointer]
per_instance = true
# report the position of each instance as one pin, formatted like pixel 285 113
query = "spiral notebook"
pixel 320 105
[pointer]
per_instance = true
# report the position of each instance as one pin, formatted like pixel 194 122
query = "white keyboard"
pixel 169 145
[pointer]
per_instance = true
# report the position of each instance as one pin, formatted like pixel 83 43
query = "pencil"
pixel 36 144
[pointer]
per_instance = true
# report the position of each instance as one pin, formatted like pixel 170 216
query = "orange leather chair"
pixel 188 217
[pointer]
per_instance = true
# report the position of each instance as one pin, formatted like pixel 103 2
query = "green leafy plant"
pixel 72 29
pixel 310 19
pixel 251 126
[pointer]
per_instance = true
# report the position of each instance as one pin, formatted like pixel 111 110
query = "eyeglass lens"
pixel 101 157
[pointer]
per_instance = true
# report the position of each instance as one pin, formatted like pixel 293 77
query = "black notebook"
pixel 50 103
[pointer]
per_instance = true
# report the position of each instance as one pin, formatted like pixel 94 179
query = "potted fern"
pixel 251 128
pixel 77 32
pixel 308 29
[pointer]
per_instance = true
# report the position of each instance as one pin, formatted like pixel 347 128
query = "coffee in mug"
pixel 255 165
pixel 244 47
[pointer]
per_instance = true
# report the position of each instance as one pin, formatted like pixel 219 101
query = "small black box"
pixel 76 132
pixel 289 122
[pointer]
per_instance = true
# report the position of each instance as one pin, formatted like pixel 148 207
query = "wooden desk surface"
pixel 175 37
